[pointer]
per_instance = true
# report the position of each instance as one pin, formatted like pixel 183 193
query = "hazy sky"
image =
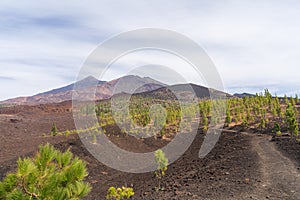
pixel 254 44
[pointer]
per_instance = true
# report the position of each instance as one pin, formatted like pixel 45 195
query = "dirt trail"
pixel 280 178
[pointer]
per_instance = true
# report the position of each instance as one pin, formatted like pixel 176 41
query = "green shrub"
pixel 53 130
pixel 228 118
pixel 67 133
pixel 291 119
pixel 205 122
pixel 262 124
pixel 162 163
pixel 277 129
pixel 119 193
pixel 50 175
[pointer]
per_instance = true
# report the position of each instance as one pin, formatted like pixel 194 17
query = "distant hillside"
pixel 125 85
pixel 104 90
pixel 183 91
pixel 242 95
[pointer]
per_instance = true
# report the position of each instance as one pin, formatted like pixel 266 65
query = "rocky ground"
pixel 243 165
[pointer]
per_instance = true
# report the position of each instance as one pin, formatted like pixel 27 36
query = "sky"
pixel 254 44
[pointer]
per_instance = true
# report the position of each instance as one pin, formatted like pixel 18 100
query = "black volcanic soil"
pixel 241 166
pixel 288 147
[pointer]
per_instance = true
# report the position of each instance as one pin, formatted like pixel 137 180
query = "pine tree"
pixel 286 100
pixel 291 119
pixel 262 123
pixel 162 163
pixel 49 175
pixel 205 122
pixel 94 139
pixel 278 107
pixel 277 128
pixel 228 117
pixel 293 101
pixel 54 129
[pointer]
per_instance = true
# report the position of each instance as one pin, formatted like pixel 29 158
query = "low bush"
pixel 119 193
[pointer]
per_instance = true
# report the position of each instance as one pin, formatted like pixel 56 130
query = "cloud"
pixel 254 44
pixel 5 78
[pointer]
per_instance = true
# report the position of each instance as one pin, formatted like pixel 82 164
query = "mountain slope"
pixel 184 91
pixel 130 84
pixel 103 90
pixel 87 82
pixel 242 95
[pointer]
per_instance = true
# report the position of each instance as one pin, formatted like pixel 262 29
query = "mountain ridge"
pixel 130 84
pixel 104 90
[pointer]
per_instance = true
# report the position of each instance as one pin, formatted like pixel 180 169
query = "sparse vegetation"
pixel 260 113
